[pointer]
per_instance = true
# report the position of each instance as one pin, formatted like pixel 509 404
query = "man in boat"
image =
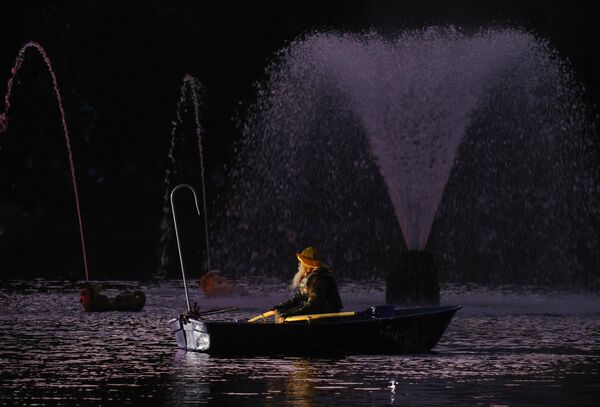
pixel 315 289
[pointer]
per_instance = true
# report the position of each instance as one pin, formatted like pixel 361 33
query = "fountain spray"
pixel 190 88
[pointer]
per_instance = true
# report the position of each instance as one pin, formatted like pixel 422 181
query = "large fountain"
pixel 476 147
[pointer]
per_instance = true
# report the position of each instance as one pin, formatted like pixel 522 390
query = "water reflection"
pixel 299 383
pixel 53 353
pixel 189 378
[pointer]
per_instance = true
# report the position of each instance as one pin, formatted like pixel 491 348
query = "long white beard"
pixel 298 276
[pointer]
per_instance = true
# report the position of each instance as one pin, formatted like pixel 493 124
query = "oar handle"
pixel 262 316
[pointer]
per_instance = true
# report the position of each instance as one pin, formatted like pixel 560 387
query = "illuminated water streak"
pixel 4 124
pixel 190 90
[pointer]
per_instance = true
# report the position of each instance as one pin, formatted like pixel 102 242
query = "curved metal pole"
pixel 187 297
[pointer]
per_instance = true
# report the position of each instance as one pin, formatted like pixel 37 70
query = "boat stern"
pixel 190 333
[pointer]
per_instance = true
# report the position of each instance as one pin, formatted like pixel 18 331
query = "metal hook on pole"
pixel 180 186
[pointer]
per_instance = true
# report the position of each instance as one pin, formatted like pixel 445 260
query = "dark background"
pixel 119 66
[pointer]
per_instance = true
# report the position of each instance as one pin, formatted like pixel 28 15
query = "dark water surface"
pixel 504 347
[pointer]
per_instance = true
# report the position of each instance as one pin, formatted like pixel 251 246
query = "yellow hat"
pixel 309 257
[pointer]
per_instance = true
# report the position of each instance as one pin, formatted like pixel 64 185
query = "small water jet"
pixel 4 124
pixel 350 129
pixel 190 90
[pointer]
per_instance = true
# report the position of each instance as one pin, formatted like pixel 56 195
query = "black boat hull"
pixel 126 301
pixel 408 331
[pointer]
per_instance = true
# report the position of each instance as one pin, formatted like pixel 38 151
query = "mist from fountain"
pixel 350 129
pixel 189 91
pixel 4 125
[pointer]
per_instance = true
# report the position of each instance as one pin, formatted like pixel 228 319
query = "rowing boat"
pixel 377 330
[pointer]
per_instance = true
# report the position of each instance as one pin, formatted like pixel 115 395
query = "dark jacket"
pixel 317 294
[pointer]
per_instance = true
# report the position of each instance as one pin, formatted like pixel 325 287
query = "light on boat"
pixel 190 334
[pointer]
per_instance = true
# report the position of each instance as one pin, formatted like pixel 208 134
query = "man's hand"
pixel 279 318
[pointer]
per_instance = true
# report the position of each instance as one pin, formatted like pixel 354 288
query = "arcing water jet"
pixel 4 123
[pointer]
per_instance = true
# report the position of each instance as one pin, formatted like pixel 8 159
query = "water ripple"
pixel 52 353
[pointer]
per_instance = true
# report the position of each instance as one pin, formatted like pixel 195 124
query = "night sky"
pixel 120 65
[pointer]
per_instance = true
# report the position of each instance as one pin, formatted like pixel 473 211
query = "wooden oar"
pixel 262 316
pixel 320 316
pixel 309 317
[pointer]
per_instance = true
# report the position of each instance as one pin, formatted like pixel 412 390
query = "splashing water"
pixel 414 96
pixel 340 113
pixel 190 88
pixel 4 123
